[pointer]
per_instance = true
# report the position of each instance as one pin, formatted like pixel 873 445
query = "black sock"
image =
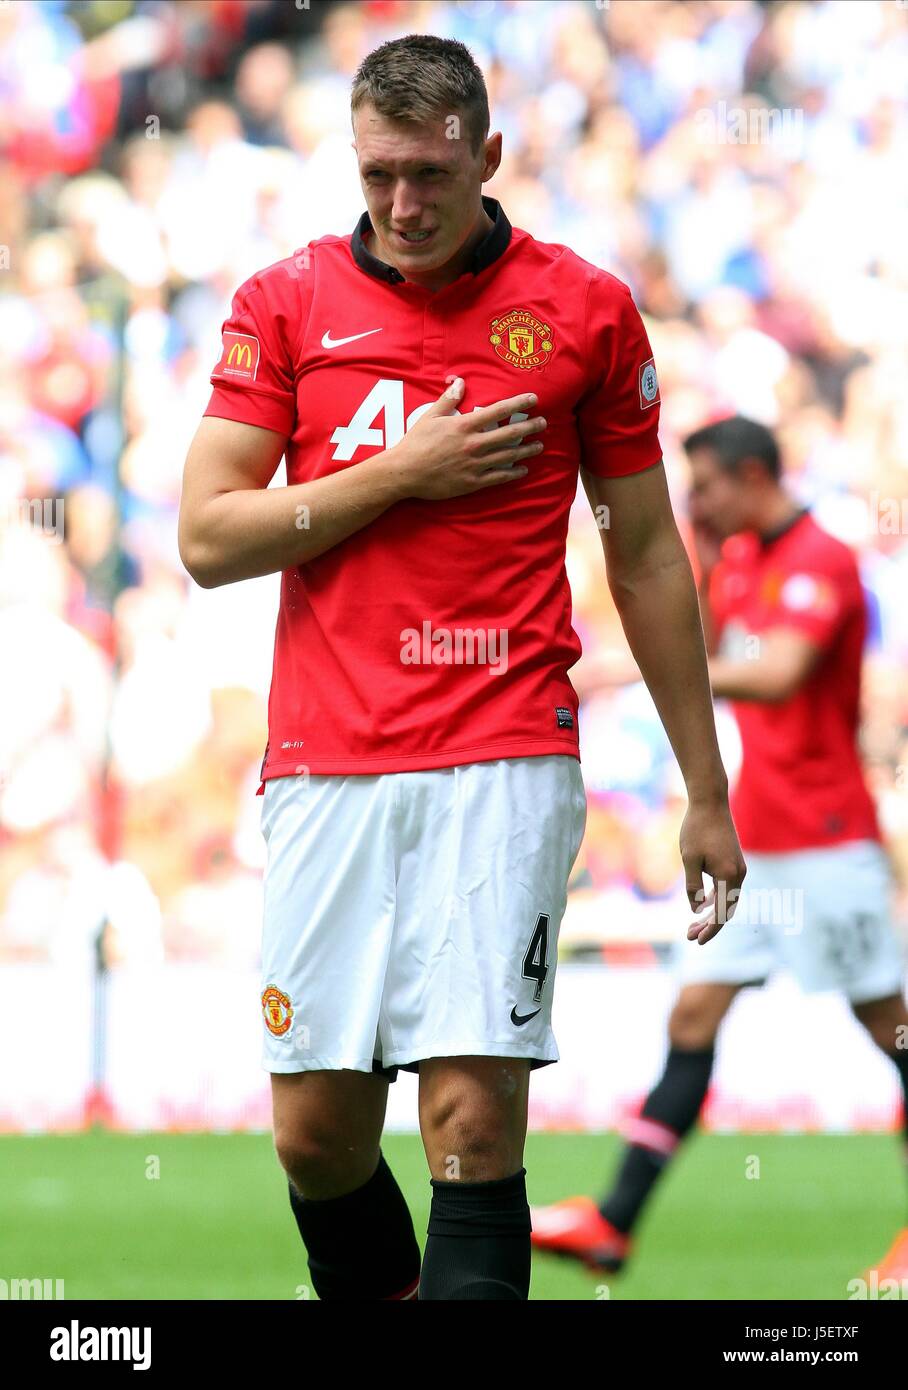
pixel 670 1110
pixel 479 1241
pixel 361 1246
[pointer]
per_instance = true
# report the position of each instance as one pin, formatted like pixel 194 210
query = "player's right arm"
pixel 232 526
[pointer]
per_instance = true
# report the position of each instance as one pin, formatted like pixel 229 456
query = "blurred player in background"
pixel 785 621
pixel 423 810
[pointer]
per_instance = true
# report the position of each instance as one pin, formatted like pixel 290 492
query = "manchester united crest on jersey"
pixel 277 1011
pixel 521 339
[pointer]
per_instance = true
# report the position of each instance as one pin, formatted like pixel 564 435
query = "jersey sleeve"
pixel 253 379
pixel 811 603
pixel 618 417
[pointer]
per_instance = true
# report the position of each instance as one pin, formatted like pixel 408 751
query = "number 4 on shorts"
pixel 535 962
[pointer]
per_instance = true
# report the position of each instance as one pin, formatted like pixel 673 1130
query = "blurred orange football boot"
pixel 893 1265
pixel 577 1228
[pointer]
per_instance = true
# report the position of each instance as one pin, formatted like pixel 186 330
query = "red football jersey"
pixel 441 633
pixel 801 784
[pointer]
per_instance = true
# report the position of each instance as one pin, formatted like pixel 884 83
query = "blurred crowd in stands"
pixel 742 166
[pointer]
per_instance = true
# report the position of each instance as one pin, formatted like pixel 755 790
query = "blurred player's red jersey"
pixel 441 633
pixel 801 784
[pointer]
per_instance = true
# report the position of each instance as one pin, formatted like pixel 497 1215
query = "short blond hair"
pixel 421 78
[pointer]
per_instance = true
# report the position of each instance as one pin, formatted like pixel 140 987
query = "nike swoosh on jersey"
pixel 329 342
pixel 518 1019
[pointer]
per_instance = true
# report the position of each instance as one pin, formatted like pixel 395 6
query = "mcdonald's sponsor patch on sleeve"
pixel 239 357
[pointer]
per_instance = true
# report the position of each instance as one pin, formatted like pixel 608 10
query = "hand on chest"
pixel 365 384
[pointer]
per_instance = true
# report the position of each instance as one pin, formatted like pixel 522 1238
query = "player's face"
pixel 717 500
pixel 417 179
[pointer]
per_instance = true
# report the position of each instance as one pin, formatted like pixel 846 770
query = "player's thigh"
pixel 698 1012
pixel 886 1020
pixel 327 1128
pixel 473 1116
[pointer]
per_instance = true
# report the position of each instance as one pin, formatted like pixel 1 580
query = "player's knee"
pixel 470 1142
pixel 474 1152
pixel 305 1158
pixel 320 1164
pixel 692 1027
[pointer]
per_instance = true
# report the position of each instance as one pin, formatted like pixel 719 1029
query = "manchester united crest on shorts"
pixel 277 1011
pixel 520 339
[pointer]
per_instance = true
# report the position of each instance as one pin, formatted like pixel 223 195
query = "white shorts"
pixel 416 914
pixel 823 914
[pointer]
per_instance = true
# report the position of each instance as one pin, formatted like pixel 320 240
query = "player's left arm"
pixel 783 659
pixel 651 581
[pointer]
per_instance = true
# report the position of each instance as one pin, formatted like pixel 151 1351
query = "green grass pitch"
pixel 216 1223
